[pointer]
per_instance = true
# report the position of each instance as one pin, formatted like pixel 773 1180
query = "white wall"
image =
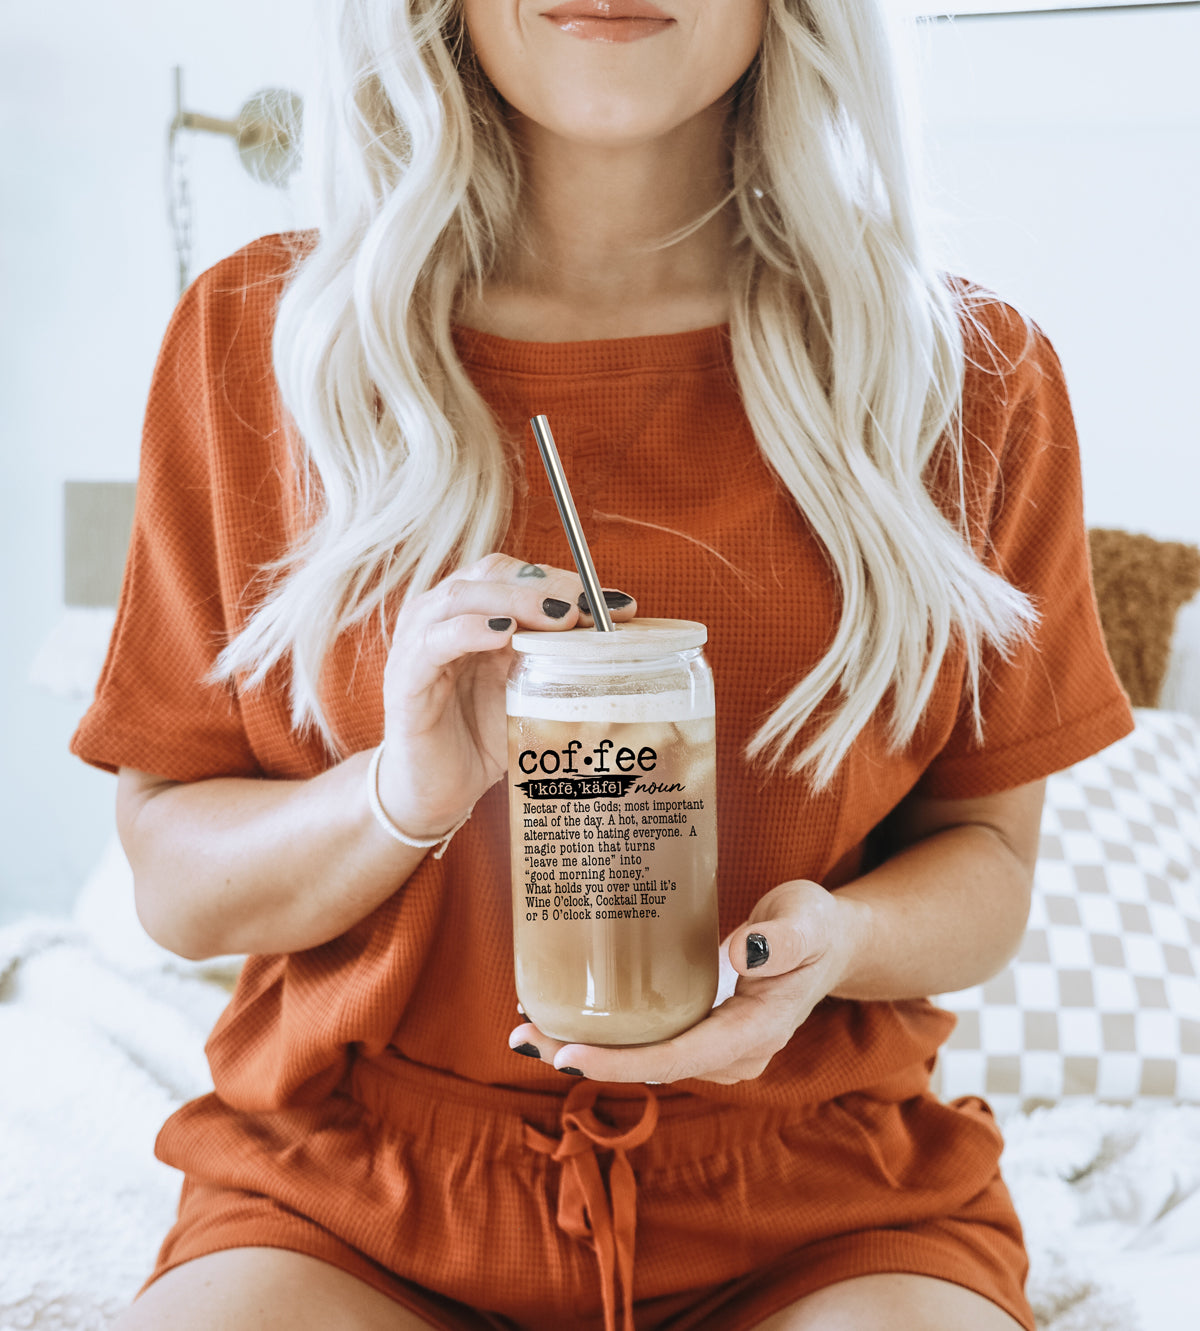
pixel 87 283
pixel 1065 150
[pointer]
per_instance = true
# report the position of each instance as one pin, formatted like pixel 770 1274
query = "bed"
pixel 1087 1046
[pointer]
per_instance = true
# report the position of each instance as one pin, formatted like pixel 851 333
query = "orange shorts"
pixel 480 1207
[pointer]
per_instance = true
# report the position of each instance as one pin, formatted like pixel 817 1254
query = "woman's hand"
pixel 794 950
pixel 443 687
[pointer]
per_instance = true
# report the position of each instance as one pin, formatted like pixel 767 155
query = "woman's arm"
pixel 233 865
pixel 948 907
pixel 946 910
pixel 230 865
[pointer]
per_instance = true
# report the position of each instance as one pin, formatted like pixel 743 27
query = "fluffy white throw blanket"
pixel 95 1052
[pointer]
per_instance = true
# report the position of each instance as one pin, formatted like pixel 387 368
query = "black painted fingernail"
pixel 574 1072
pixel 555 608
pixel 500 625
pixel 757 950
pixel 614 601
pixel 530 571
pixel 529 1050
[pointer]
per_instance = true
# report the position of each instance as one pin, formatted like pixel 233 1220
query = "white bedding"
pixel 98 1048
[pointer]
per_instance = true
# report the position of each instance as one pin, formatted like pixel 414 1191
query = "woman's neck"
pixel 590 214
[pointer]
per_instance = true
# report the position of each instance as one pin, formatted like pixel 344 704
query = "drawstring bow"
pixel 587 1210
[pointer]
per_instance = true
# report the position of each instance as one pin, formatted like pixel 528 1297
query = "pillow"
pixel 1103 999
pixel 1140 584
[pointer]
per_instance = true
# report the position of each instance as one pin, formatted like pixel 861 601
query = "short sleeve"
pixel 1058 699
pixel 155 708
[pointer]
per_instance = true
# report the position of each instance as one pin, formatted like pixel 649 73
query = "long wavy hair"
pixel 847 345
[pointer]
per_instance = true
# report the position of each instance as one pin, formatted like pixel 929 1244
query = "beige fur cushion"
pixel 1140 584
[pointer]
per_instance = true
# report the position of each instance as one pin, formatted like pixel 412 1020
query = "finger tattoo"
pixel 530 571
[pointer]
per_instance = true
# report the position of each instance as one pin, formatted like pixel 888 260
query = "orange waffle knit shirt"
pixel 680 510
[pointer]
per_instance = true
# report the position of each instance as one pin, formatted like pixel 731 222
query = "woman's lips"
pixel 609 29
pixel 607 9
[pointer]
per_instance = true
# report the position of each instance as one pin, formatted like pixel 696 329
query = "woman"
pixel 684 232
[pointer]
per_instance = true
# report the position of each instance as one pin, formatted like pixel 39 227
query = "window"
pixel 964 7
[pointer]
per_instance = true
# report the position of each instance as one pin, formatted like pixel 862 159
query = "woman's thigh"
pixel 263 1289
pixel 916 1303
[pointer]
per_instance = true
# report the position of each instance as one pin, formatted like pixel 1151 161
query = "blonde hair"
pixel 847 346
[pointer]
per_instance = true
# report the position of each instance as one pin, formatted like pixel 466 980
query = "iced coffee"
pixel 613 823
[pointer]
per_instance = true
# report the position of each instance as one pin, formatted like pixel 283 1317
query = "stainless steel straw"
pixel 570 521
